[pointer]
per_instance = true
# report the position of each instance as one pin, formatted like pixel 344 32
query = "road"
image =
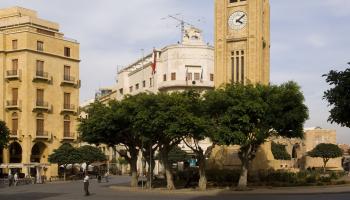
pixel 102 191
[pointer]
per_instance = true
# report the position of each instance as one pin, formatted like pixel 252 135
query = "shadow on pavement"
pixel 28 196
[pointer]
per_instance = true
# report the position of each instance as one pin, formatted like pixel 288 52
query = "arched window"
pixel 14 130
pixel 66 126
pixel 40 125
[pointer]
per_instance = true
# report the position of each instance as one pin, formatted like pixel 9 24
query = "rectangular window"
pixel 40 45
pixel 173 76
pixel 40 68
pixel 66 101
pixel 137 86
pixel 121 91
pixel 211 77
pixel 14 44
pixel 143 83
pixel 130 89
pixel 15 64
pixel 189 76
pixel 14 96
pixel 40 97
pixel 67 51
pixel 164 77
pixel 14 126
pixel 66 73
pixel 197 76
pixel 238 67
pixel 66 128
pixel 40 127
pixel 150 82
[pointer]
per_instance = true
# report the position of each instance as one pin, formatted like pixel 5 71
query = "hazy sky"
pixel 308 38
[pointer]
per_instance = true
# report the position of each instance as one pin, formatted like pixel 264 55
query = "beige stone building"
pixel 224 157
pixel 39 93
pixel 242 41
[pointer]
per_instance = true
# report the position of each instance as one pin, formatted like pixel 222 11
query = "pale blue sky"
pixel 308 38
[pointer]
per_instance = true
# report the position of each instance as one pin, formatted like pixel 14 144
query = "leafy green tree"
pixel 339 96
pixel 326 152
pixel 4 134
pixel 162 120
pixel 113 125
pixel 247 115
pixel 90 154
pixel 65 155
pixel 178 155
pixel 279 151
pixel 198 128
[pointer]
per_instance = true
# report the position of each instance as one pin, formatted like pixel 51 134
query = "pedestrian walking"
pixel 86 185
pixel 10 179
pixel 15 178
pixel 106 176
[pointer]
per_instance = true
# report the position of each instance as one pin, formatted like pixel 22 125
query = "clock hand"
pixel 239 19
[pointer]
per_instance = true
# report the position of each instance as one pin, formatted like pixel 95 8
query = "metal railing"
pixel 68 107
pixel 41 74
pixel 12 73
pixel 40 133
pixel 12 103
pixel 68 78
pixel 42 104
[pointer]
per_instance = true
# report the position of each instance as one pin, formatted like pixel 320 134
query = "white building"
pixel 189 64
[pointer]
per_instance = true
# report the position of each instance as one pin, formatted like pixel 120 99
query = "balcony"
pixel 68 136
pixel 13 75
pixel 14 134
pixel 13 105
pixel 68 108
pixel 42 135
pixel 69 81
pixel 41 106
pixel 41 76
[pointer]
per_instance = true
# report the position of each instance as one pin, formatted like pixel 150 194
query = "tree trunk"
pixel 243 179
pixel 133 166
pixel 202 183
pixel 324 165
pixel 64 174
pixel 167 168
pixel 150 171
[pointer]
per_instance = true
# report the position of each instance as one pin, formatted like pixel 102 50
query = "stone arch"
pixel 15 151
pixel 1 155
pixel 295 150
pixel 39 153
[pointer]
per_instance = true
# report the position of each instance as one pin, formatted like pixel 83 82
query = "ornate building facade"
pixel 39 94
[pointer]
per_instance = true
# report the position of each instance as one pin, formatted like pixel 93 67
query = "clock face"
pixel 238 20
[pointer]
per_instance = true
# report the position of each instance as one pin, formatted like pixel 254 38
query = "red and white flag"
pixel 154 63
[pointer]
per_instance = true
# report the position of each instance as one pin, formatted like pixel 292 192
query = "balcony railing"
pixel 41 76
pixel 42 134
pixel 14 134
pixel 69 80
pixel 12 74
pixel 41 106
pixel 13 104
pixel 68 136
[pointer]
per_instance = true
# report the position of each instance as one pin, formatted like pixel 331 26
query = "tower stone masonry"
pixel 242 41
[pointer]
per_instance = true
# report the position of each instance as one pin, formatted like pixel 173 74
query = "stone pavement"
pixel 108 191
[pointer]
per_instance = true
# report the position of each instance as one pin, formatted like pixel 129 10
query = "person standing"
pixel 15 178
pixel 86 185
pixel 106 176
pixel 10 179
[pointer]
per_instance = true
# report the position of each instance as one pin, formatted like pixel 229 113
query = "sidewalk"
pixel 275 190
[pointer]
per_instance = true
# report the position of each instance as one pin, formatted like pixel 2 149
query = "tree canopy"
pixel 326 152
pixel 247 115
pixel 279 151
pixel 4 134
pixel 339 96
pixel 90 154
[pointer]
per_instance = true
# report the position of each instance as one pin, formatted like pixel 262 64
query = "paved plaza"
pixel 101 191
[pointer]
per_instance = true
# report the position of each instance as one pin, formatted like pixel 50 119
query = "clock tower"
pixel 242 41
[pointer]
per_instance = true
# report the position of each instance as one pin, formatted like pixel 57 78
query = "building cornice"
pixel 42 53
